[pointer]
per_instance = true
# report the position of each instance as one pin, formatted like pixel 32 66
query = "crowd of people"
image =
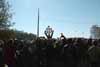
pixel 42 52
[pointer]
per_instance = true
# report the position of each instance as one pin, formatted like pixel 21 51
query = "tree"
pixel 20 35
pixel 7 34
pixel 5 21
pixel 5 14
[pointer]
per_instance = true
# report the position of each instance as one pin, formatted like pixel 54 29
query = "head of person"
pixel 10 43
pixel 90 42
pixel 1 43
pixel 79 42
pixel 48 26
pixel 69 41
pixel 95 42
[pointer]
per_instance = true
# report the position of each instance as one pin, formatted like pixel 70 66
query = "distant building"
pixel 95 32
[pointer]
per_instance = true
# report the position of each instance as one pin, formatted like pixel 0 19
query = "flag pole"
pixel 38 24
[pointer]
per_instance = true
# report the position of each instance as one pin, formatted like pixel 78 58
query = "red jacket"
pixel 9 55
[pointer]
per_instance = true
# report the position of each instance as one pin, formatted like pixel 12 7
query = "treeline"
pixel 20 35
pixel 15 34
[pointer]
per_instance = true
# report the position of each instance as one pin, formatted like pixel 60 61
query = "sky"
pixel 73 18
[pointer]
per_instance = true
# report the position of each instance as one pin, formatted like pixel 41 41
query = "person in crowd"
pixel 68 54
pixel 94 54
pixel 42 52
pixel 63 38
pixel 81 53
pixel 1 53
pixel 19 52
pixel 9 53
